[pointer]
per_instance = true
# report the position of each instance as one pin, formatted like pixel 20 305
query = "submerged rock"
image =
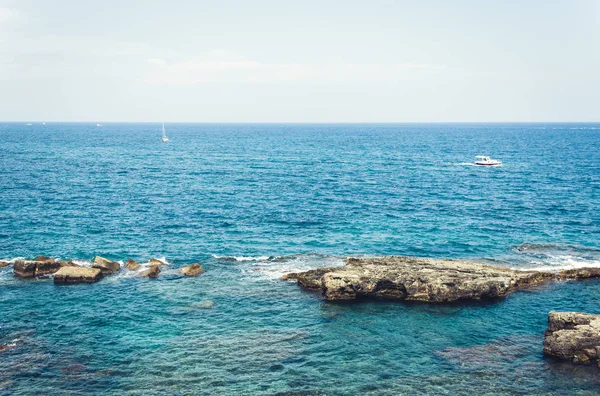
pixel 573 336
pixel 106 266
pixel 6 347
pixel 132 265
pixel 34 268
pixel 205 304
pixel 192 270
pixel 70 275
pixel 422 279
pixel 151 272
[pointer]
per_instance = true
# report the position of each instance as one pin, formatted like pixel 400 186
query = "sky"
pixel 300 61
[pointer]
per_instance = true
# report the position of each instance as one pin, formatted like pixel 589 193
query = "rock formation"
pixel 422 279
pixel 192 270
pixel 34 268
pixel 106 266
pixel 70 275
pixel 157 262
pixel 573 336
pixel 151 272
pixel 132 265
pixel 69 263
pixel 4 263
pixel 43 258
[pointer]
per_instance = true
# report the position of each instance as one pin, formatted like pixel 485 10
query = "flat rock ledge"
pixel 573 336
pixel 423 279
pixel 71 275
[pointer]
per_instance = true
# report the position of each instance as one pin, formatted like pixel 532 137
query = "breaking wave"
pixel 555 257
pixel 274 267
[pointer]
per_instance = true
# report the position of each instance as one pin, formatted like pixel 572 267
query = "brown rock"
pixel 580 273
pixel 581 358
pixel 6 347
pixel 106 266
pixel 154 261
pixel 151 272
pixel 69 263
pixel 47 267
pixel 132 265
pixel 71 275
pixel 4 264
pixel 310 279
pixel 192 270
pixel 573 336
pixel 421 279
pixel 44 258
pixel 32 268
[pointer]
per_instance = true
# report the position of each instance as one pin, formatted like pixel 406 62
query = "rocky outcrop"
pixel 151 272
pixel 106 266
pixel 310 279
pixel 192 270
pixel 573 336
pixel 71 275
pixel 4 264
pixel 35 268
pixel 132 265
pixel 422 279
pixel 580 273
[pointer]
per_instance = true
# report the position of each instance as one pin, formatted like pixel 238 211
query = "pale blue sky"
pixel 300 61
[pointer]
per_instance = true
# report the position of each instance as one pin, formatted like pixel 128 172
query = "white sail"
pixel 164 136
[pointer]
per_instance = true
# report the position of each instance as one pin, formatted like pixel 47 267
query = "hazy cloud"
pixel 223 67
pixel 9 14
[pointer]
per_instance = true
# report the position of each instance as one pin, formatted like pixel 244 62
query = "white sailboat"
pixel 164 136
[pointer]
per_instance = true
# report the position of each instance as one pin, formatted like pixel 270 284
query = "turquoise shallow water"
pixel 251 202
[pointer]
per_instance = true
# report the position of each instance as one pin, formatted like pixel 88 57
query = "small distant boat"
pixel 164 136
pixel 28 124
pixel 43 123
pixel 98 125
pixel 484 160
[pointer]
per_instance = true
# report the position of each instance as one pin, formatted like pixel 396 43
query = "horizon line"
pixel 296 122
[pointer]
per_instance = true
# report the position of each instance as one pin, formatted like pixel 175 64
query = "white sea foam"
pixel 556 257
pixel 83 263
pixel 558 263
pixel 243 258
pixel 273 268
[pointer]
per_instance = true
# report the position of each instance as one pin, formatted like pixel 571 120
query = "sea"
pixel 252 202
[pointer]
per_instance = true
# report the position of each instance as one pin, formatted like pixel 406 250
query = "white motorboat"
pixel 484 160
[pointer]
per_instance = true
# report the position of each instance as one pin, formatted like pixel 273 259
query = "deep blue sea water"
pixel 252 202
